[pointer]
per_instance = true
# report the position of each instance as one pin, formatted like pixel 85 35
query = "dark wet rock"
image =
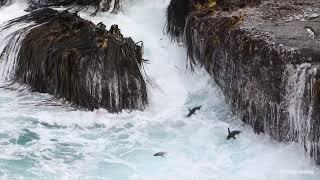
pixel 177 13
pixel 113 6
pixel 78 5
pixel 179 10
pixel 76 60
pixel 266 63
pixel 5 2
pixel 274 10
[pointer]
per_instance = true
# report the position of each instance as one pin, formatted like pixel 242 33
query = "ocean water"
pixel 43 138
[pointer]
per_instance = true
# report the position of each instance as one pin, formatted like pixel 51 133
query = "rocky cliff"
pixel 59 53
pixel 265 56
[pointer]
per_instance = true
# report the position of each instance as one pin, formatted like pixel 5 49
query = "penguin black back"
pixel 232 134
pixel 162 154
pixel 193 110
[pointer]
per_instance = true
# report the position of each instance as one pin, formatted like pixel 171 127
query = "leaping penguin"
pixel 231 134
pixel 193 111
pixel 162 154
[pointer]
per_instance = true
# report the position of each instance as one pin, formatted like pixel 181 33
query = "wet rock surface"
pixel 265 58
pixel 113 6
pixel 59 53
pixel 78 5
pixel 4 2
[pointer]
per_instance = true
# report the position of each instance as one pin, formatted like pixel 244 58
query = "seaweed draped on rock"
pixel 270 78
pixel 99 5
pixel 179 10
pixel 61 54
pixel 113 6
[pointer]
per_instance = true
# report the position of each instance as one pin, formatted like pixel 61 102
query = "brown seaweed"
pixel 76 60
pixel 79 5
pixel 179 11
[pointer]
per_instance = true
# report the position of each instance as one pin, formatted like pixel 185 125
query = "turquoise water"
pixel 41 138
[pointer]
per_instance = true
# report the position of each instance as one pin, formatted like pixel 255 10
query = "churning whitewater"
pixel 44 138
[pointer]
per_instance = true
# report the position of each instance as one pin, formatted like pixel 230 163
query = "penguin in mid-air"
pixel 162 154
pixel 193 111
pixel 232 134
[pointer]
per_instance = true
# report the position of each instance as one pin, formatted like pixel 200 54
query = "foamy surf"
pixel 42 138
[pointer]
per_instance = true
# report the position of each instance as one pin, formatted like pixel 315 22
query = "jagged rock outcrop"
pixel 179 10
pixel 112 6
pixel 59 53
pixel 266 60
pixel 78 5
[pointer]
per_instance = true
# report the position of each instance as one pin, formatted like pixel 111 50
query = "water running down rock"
pixel 100 145
pixel 268 75
pixel 71 58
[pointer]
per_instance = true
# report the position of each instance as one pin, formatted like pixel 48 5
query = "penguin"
pixel 231 134
pixel 311 31
pixel 162 154
pixel 193 111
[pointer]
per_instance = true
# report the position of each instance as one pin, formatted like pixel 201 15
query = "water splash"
pixel 100 145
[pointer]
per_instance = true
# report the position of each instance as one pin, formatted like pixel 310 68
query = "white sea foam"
pixel 100 145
